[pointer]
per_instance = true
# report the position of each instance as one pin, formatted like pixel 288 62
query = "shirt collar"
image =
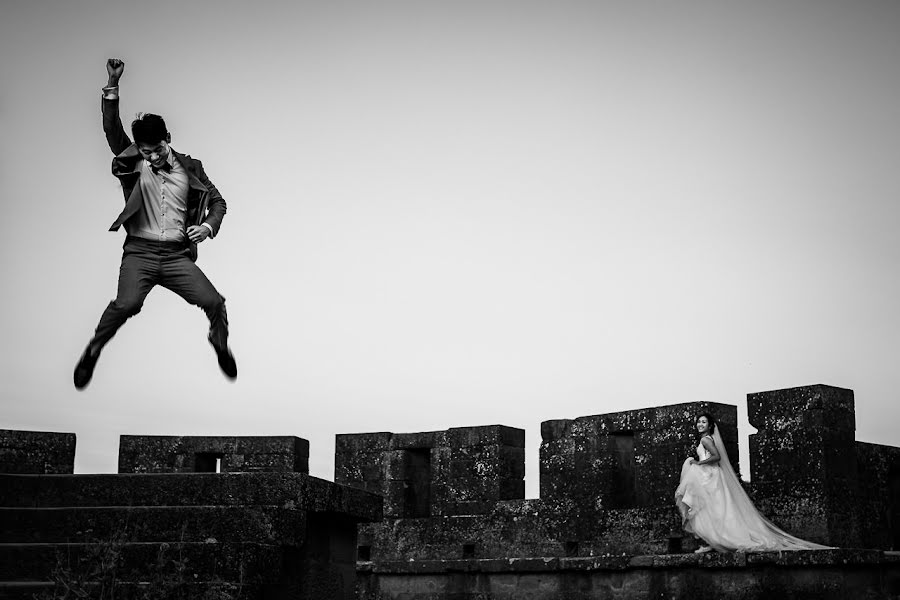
pixel 171 157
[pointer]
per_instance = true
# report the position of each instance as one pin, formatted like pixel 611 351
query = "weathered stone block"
pixel 428 439
pixel 260 535
pixel 396 464
pixel 800 409
pixel 512 489
pixel 501 435
pixel 395 494
pixel 512 462
pixel 879 484
pixel 38 452
pixel 735 576
pixel 554 430
pixel 360 469
pixel 812 426
pixel 362 442
pixel 190 454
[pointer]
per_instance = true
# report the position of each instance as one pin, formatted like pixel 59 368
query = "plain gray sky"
pixel 459 213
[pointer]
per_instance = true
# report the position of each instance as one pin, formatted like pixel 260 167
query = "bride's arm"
pixel 710 446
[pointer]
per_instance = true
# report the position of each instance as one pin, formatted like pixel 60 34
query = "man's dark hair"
pixel 148 128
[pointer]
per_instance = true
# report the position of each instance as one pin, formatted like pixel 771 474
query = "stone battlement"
pixel 257 529
pixel 441 515
pixel 212 454
pixel 606 517
pixel 460 471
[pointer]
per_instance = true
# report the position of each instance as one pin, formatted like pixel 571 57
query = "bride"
pixel 715 508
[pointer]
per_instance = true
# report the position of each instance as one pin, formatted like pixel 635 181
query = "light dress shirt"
pixel 165 198
pixel 165 203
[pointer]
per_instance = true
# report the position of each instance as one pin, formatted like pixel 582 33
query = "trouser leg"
pixel 138 273
pixel 184 277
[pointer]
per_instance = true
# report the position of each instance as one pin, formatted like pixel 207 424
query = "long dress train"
pixel 715 508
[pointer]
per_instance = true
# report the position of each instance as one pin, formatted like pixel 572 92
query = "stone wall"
pixel 607 483
pixel 804 473
pixel 605 523
pixel 626 459
pixel 805 575
pixel 40 452
pixel 256 531
pixel 878 469
pixel 211 454
pixel 456 524
pixel 460 471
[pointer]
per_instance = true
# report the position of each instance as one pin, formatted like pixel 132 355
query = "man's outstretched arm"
pixel 116 137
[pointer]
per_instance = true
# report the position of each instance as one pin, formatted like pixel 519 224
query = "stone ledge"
pixel 28 590
pixel 268 525
pixel 288 490
pixel 842 557
pixel 190 454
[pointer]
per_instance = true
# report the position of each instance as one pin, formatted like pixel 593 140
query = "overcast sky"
pixel 445 214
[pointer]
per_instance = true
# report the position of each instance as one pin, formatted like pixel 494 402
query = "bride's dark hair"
pixel 710 419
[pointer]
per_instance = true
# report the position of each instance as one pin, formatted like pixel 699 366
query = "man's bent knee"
pixel 213 303
pixel 127 306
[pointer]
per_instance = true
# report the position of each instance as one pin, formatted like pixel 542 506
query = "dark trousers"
pixel 147 263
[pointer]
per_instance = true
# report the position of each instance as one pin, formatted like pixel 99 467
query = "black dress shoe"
pixel 84 370
pixel 226 361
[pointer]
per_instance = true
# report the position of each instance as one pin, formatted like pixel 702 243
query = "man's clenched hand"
pixel 197 233
pixel 115 67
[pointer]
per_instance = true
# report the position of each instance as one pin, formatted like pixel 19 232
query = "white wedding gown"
pixel 715 508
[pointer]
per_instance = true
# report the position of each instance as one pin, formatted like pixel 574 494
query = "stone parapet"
pixel 878 470
pixel 459 471
pixel 254 535
pixel 288 490
pixel 38 452
pixel 265 525
pixel 626 459
pixel 824 575
pixel 522 528
pixel 805 462
pixel 608 481
pixel 211 454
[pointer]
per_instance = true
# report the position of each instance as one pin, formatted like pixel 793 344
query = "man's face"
pixel 155 154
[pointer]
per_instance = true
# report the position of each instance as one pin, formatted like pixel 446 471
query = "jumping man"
pixel 170 207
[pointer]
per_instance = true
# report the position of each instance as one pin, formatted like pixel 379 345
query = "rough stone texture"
pixel 606 526
pixel 626 459
pixel 31 562
pixel 814 428
pixel 198 454
pixel 818 575
pixel 267 536
pixel 607 483
pixel 129 590
pixel 287 490
pixel 522 528
pixel 457 525
pixel 40 452
pixel 878 469
pixel 460 471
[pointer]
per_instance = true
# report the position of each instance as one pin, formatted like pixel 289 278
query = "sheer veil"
pixel 728 474
pixel 764 534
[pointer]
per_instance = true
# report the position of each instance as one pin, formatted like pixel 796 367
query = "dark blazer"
pixel 204 203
